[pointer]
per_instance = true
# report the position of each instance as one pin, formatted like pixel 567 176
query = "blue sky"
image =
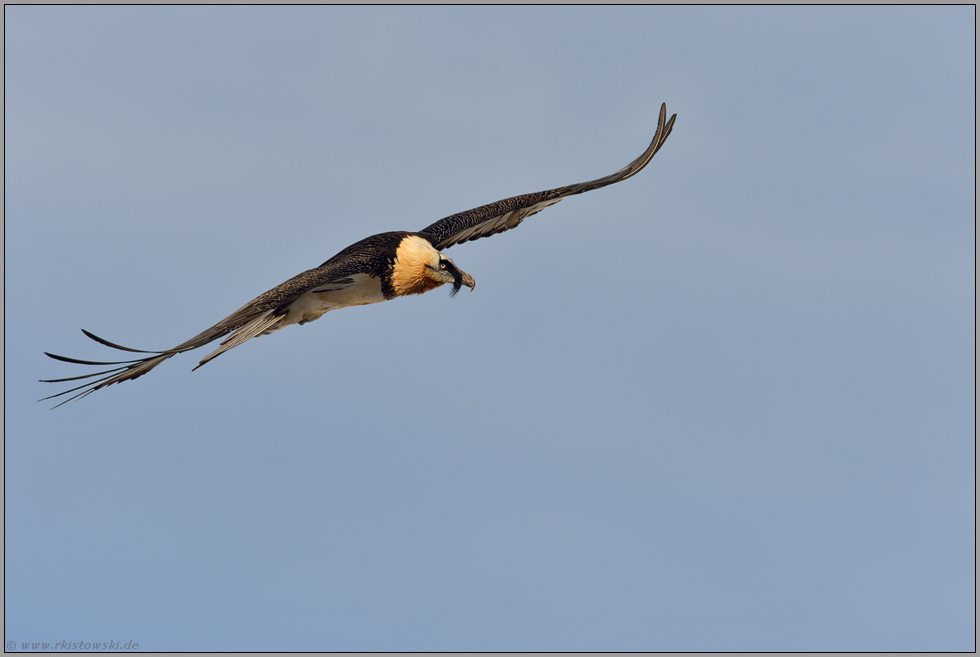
pixel 727 404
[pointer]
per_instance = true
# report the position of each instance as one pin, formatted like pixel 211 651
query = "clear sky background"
pixel 727 404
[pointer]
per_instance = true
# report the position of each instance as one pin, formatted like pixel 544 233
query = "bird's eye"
pixel 442 265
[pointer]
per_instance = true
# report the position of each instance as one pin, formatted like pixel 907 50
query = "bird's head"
pixel 419 267
pixel 446 272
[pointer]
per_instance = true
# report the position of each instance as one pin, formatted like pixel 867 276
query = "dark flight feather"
pixel 503 215
pixel 249 321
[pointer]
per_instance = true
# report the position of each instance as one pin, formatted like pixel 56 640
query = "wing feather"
pixel 256 327
pixel 257 316
pixel 503 215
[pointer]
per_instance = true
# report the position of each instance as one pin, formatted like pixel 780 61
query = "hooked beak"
pixel 462 279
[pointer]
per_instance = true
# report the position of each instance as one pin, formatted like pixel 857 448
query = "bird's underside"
pixel 377 268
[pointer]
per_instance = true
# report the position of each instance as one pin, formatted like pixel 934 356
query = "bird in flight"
pixel 377 268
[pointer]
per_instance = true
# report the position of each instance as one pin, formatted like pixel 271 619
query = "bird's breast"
pixel 356 290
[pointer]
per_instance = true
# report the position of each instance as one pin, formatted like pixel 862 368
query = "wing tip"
pixel 105 342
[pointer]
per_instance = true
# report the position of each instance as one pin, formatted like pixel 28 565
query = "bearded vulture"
pixel 377 268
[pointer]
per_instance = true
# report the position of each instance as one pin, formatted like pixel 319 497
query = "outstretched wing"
pixel 503 215
pixel 256 317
